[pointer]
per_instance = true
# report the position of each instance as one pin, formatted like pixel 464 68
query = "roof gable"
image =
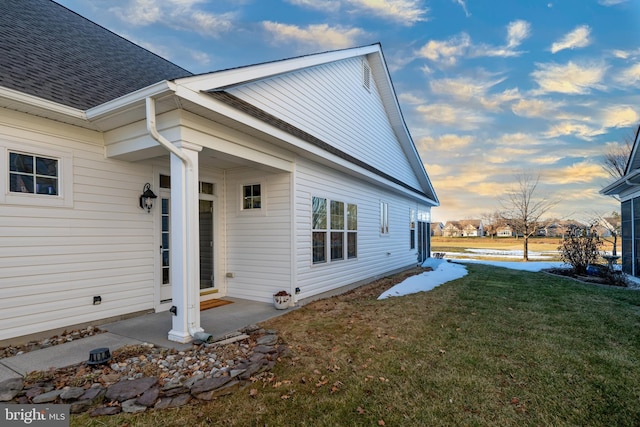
pixel 302 92
pixel 53 53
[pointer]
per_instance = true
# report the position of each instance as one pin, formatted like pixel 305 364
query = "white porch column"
pixel 185 249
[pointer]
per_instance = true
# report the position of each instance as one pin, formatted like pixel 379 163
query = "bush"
pixel 580 251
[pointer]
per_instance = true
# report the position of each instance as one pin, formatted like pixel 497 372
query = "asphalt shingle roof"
pixel 53 53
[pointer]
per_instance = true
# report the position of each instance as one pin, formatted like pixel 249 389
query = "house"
pixel 464 228
pixel 131 185
pixel 561 228
pixel 437 228
pixel 627 189
pixel 505 231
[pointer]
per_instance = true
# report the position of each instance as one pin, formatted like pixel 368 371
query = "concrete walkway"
pixel 149 328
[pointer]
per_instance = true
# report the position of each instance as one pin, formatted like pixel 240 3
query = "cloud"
pixel 463 5
pixel 629 76
pixel 517 32
pixel 578 130
pixel 321 36
pixel 579 37
pixel 535 108
pixel 444 114
pixel 324 6
pixel 577 173
pixel 405 12
pixel 570 78
pixel 446 51
pixel 447 142
pixel 474 90
pixel 611 2
pixel 620 117
pixel 177 14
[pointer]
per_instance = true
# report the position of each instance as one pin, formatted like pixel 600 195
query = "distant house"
pixel 561 228
pixel 131 185
pixel 464 228
pixel 504 231
pixel 627 189
pixel 437 228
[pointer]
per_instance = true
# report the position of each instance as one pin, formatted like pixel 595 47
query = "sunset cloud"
pixel 405 12
pixel 571 78
pixel 579 37
pixel 446 51
pixel 317 36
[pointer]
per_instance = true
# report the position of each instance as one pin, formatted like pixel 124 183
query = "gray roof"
pixel 50 52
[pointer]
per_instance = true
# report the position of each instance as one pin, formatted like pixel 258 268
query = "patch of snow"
pixel 445 271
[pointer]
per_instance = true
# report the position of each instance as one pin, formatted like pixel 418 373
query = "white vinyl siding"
pixel 376 256
pixel 331 103
pixel 258 248
pixel 53 260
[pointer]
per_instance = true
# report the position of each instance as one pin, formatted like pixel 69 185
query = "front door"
pixel 206 204
pixel 206 246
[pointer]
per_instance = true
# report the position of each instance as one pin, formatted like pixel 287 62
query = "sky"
pixel 489 89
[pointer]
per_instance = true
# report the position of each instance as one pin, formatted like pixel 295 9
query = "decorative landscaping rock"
pixel 125 389
pixel 228 388
pixel 69 393
pixel 173 402
pixel 143 377
pixel 95 394
pixel 130 407
pixel 208 384
pixel 80 406
pixel 47 397
pixel 10 388
pixel 149 397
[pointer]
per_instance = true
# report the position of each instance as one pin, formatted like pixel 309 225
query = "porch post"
pixel 185 249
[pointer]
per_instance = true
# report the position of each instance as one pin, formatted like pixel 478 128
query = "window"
pixel 251 198
pixel 412 229
pixel 319 233
pixel 337 230
pixel 337 227
pixel 352 231
pixel 33 174
pixel 384 218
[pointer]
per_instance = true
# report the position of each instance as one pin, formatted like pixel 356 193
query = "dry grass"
pixel 497 347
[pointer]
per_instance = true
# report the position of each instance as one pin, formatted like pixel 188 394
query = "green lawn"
pixel 497 347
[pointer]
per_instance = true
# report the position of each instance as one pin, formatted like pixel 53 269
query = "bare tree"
pixel 490 222
pixel 613 225
pixel 524 209
pixel 616 158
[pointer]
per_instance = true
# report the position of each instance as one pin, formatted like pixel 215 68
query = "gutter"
pixel 187 295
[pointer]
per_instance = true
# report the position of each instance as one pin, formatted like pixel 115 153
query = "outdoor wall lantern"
pixel 146 199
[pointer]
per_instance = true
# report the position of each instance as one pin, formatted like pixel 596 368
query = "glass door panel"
pixel 206 244
pixel 165 285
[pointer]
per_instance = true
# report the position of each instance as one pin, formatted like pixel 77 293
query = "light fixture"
pixel 146 199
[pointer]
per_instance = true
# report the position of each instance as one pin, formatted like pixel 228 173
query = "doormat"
pixel 206 305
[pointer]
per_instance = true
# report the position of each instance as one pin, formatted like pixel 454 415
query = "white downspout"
pixel 153 131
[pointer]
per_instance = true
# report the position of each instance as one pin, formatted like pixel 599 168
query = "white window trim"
pixel 65 176
pixel 262 211
pixel 383 227
pixel 329 230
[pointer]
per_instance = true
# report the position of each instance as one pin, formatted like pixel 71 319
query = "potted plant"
pixel 281 300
